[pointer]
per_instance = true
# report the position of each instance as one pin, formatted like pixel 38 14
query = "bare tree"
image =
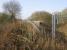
pixel 13 8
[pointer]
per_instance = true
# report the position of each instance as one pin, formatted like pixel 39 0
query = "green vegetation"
pixel 4 18
pixel 41 16
pixel 26 35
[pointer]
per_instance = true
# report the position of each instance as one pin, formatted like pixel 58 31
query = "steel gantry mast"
pixel 53 30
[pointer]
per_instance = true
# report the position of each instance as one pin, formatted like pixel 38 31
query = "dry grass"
pixel 22 35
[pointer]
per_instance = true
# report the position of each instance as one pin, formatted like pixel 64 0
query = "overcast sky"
pixel 30 6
